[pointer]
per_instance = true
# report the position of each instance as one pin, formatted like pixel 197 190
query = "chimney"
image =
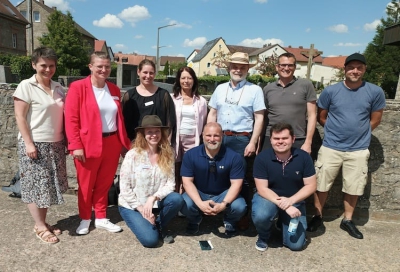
pixel 42 1
pixel 55 8
pixel 301 47
pixel 289 46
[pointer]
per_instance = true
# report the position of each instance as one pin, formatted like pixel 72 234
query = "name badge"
pixel 145 166
pixel 149 103
pixel 115 97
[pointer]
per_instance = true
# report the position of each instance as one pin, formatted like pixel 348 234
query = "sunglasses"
pixel 212 167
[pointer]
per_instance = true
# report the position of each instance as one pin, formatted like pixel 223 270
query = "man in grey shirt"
pixel 291 100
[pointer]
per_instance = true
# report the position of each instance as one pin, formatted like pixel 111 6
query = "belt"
pixel 107 134
pixel 234 133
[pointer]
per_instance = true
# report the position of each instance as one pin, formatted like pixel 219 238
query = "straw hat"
pixel 240 58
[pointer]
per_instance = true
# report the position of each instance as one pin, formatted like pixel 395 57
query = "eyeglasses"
pixel 212 167
pixel 286 65
pixel 100 68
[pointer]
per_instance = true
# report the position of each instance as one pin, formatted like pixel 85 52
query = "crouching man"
pixel 212 176
pixel 284 177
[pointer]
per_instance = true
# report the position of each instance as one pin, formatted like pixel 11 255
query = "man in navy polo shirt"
pixel 284 177
pixel 212 176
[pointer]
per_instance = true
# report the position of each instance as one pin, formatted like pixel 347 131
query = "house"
pixel 267 51
pixel 133 59
pixel 40 14
pixel 101 46
pixel 337 62
pixel 191 56
pixel 202 62
pixel 13 29
pixel 169 59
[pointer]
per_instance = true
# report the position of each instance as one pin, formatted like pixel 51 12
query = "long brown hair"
pixel 164 150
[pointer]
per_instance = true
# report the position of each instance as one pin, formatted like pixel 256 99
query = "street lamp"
pixel 158 46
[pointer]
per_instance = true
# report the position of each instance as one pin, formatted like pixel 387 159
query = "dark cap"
pixel 355 56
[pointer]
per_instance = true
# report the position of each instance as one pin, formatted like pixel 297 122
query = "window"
pixel 14 40
pixel 23 12
pixel 208 65
pixel 36 16
pixel 125 60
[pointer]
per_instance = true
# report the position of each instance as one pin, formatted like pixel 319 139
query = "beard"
pixel 238 78
pixel 213 146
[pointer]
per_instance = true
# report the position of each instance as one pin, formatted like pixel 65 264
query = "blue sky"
pixel 336 27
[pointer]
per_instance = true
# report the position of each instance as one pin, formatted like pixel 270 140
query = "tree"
pixel 266 66
pixel 220 58
pixel 166 69
pixel 383 67
pixel 175 66
pixel 66 40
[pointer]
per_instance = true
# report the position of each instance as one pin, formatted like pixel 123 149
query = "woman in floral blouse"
pixel 147 184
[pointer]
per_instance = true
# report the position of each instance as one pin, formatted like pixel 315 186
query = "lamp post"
pixel 158 46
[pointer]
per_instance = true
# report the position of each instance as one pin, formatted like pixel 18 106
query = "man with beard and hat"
pixel 238 106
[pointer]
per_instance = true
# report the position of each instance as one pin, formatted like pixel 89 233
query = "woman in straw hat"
pixel 147 184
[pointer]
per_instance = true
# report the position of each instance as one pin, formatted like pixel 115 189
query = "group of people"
pixel 178 157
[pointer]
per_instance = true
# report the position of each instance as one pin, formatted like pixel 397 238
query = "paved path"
pixel 330 249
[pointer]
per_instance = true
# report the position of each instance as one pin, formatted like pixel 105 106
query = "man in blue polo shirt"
pixel 212 176
pixel 284 177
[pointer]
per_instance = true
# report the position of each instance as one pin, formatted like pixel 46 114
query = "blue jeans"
pixel 145 232
pixel 238 144
pixel 232 214
pixel 263 214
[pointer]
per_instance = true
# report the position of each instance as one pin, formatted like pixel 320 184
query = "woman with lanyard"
pixel 96 137
pixel 147 99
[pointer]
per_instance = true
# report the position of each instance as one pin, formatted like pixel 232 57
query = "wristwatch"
pixel 227 204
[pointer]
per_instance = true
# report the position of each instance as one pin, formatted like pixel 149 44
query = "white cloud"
pixel 61 5
pixel 138 37
pixel 134 14
pixel 308 30
pixel 119 45
pixel 372 26
pixel 260 1
pixel 348 44
pixel 197 42
pixel 109 21
pixel 340 28
pixel 259 42
pixel 178 24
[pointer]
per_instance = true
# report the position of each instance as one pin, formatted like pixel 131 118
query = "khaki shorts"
pixel 354 169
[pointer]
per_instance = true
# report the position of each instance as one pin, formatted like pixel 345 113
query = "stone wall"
pixel 380 200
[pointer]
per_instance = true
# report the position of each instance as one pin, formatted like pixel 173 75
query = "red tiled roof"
pixel 300 56
pixel 337 62
pixel 132 58
pixel 164 60
pixel 98 45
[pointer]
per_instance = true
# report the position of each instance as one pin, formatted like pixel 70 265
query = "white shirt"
pixel 188 122
pixel 108 108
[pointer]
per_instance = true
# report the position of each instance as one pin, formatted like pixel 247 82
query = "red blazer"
pixel 82 118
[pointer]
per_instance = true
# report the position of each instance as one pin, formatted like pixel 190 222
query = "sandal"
pixel 46 236
pixel 52 229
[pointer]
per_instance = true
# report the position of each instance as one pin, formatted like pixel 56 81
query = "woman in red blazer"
pixel 96 137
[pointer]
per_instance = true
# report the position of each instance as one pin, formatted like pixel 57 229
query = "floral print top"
pixel 139 179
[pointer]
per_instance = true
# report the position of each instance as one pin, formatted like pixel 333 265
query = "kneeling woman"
pixel 147 184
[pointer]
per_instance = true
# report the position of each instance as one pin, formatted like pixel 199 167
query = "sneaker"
pixel 107 225
pixel 261 245
pixel 168 239
pixel 315 223
pixel 230 230
pixel 348 225
pixel 83 227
